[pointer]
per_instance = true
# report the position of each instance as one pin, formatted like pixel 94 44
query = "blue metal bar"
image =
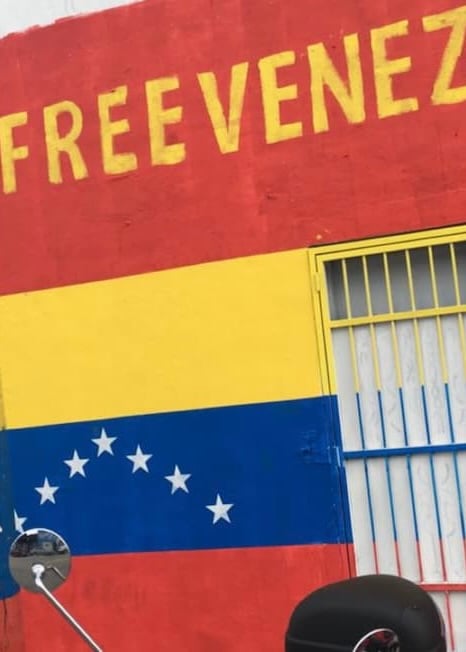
pixel 366 474
pixel 411 482
pixel 409 451
pixel 429 449
pixel 387 472
pixel 455 461
pixel 433 477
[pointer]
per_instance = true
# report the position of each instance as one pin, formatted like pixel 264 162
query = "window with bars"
pixel 394 322
pixel 398 281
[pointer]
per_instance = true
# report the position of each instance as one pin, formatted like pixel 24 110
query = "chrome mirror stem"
pixel 38 571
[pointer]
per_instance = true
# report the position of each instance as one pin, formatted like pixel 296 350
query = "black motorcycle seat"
pixel 335 617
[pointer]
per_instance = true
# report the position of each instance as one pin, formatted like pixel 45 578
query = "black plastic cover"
pixel 335 617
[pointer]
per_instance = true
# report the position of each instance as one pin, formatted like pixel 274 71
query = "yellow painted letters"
pixel 9 153
pixel 227 132
pixel 159 117
pixel 273 95
pixel 385 69
pixel 66 144
pixel 455 19
pixel 324 74
pixel 114 163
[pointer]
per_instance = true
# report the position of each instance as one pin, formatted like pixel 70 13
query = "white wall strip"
pixel 19 15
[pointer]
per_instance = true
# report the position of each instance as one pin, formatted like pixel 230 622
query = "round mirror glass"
pixel 379 640
pixel 44 547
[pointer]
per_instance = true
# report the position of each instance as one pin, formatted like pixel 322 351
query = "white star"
pixel 19 522
pixel 178 480
pixel 139 460
pixel 46 492
pixel 76 465
pixel 220 510
pixel 104 443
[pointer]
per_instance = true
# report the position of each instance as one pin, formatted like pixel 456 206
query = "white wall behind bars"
pixel 18 15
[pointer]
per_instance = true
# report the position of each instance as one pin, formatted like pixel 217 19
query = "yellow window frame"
pixel 320 255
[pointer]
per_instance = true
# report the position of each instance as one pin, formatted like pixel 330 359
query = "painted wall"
pixel 127 123
pixel 172 427
pixel 163 167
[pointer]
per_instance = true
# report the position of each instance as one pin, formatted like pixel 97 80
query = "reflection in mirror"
pixel 39 562
pixel 378 640
pixel 43 553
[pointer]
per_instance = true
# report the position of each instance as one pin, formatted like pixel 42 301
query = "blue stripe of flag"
pixel 275 463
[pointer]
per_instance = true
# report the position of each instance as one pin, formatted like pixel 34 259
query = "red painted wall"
pixel 382 175
pixel 150 601
pixel 11 625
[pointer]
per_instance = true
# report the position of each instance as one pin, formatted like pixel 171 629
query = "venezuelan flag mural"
pixel 164 167
pixel 194 475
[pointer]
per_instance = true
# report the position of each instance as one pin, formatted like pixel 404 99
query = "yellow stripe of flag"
pixel 234 332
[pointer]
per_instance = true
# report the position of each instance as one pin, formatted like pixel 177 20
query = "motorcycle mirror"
pixel 40 561
pixel 39 554
pixel 378 640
